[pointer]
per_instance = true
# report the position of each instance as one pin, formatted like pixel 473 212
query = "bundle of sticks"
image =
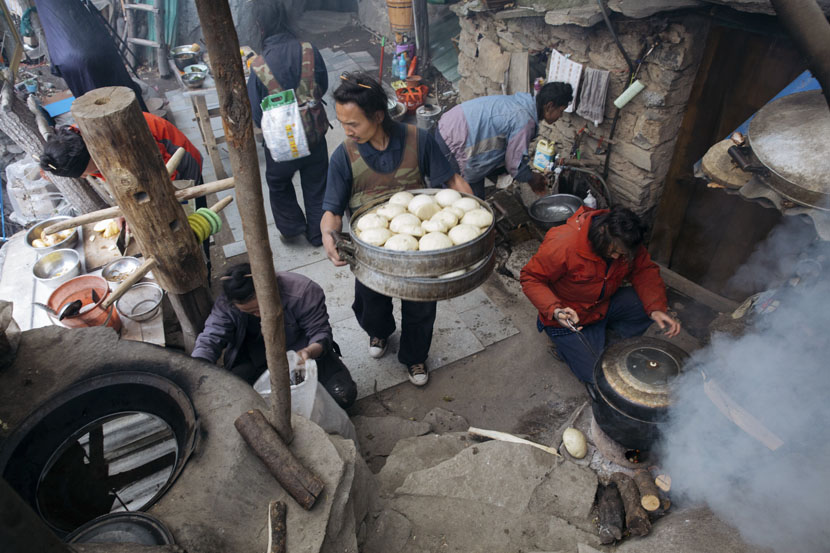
pixel 628 505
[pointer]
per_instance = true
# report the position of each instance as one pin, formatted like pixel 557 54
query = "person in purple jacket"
pixel 478 135
pixel 233 326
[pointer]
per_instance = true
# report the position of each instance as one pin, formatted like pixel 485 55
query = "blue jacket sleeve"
pixel 338 183
pixel 432 162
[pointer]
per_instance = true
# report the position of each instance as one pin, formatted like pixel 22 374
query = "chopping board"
pixel 98 251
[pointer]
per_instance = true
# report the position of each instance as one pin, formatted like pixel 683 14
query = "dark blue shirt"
pixel 434 167
pixel 284 55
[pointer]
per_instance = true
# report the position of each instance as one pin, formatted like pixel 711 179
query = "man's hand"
pixel 538 183
pixel 458 184
pixel 669 325
pixel 311 351
pixel 566 314
pixel 329 224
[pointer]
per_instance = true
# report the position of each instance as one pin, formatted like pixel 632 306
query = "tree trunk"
pixel 636 519
pixel 120 142
pixel 19 124
pixel 223 47
pixel 611 514
pixel 302 484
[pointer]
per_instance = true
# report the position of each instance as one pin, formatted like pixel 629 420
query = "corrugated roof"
pixel 442 48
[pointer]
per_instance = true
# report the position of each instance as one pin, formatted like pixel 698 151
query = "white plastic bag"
pixel 32 197
pixel 310 399
pixel 282 127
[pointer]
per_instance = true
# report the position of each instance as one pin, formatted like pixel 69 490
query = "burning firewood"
pixel 663 481
pixel 649 493
pixel 611 514
pixel 636 518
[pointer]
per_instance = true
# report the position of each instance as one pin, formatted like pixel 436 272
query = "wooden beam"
pixel 110 120
pixel 223 47
pixel 697 292
pixel 421 16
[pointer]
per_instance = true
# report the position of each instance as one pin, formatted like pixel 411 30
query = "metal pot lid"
pixel 641 370
pixel 124 527
pixel 791 137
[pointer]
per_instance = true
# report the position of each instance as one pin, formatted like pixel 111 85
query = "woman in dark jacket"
pixel 234 326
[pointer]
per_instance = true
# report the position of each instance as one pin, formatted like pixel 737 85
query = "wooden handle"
pixel 505 437
pixel 173 163
pixel 128 282
pixel 221 204
pixel 115 211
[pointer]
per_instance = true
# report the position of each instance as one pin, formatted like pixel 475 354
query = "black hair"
pixel 620 224
pixel 238 284
pixel 561 94
pixel 271 17
pixel 65 154
pixel 367 93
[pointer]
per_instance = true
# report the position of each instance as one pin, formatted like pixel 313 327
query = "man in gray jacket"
pixel 234 324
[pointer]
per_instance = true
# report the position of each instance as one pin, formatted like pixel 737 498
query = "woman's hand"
pixel 669 325
pixel 565 315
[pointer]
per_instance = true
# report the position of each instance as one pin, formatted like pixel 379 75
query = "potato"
pixel 111 230
pixel 447 218
pixel 575 443
pixel 434 241
pixel 467 204
pixel 401 243
pixel 390 211
pixel 372 220
pixel 404 219
pixel 478 218
pixel 38 243
pixel 376 236
pixel 423 206
pixel 434 225
pixel 401 198
pixel 463 233
pixel 446 197
pixel 101 226
pixel 412 230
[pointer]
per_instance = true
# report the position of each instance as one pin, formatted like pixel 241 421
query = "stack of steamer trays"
pixel 421 245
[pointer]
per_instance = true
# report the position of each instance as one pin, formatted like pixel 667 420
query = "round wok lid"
pixel 791 137
pixel 636 375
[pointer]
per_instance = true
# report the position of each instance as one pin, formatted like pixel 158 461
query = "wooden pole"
pixel 18 123
pixel 223 47
pixel 419 11
pixel 127 154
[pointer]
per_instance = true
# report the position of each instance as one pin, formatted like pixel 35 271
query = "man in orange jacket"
pixel 576 277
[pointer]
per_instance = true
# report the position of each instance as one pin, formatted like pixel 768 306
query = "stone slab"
pixel 388 532
pixel 419 453
pixel 488 324
pixel 566 492
pixel 378 435
pixel 443 421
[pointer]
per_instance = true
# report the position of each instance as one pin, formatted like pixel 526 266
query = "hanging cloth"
pixel 564 70
pixel 592 97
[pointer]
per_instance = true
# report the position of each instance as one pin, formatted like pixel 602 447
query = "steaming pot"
pixel 631 390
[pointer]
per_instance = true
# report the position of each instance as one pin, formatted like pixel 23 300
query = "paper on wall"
pixel 564 70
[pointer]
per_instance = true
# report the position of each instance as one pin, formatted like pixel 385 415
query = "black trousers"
pixel 287 214
pixel 374 314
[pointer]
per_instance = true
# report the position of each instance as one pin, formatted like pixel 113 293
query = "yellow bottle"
pixel 544 155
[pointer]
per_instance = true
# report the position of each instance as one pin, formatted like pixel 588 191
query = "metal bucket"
pixel 433 263
pixel 427 116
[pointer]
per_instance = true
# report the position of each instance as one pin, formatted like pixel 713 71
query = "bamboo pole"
pixel 223 47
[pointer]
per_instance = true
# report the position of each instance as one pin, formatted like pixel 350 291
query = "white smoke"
pixel 779 371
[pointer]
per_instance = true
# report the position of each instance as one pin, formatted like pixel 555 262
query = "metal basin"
pixel 184 56
pixel 34 233
pixel 118 270
pixel 433 263
pixel 552 211
pixel 57 267
pixel 141 302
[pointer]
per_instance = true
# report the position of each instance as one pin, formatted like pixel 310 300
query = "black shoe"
pixel 377 347
pixel 418 374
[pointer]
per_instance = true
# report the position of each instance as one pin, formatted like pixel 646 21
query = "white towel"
pixel 564 70
pixel 592 98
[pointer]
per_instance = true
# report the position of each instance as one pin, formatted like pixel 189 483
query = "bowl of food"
pixel 194 75
pixel 57 267
pixel 115 272
pixel 43 243
pixel 141 302
pixel 185 55
pixel 196 68
pixel 552 211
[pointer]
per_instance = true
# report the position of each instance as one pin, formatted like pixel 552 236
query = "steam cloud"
pixel 779 371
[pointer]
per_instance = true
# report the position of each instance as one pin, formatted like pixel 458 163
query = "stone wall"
pixel 648 126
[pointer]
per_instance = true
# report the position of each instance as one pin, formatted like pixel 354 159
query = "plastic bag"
pixel 282 127
pixel 32 197
pixel 310 399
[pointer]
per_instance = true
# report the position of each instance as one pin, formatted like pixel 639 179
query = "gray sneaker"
pixel 377 347
pixel 418 374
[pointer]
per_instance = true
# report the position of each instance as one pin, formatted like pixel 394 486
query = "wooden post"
pixel 223 47
pixel 21 529
pixel 19 124
pixel 419 11
pixel 122 147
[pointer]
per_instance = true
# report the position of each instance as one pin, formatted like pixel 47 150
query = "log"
pixel 124 548
pixel 18 123
pixel 636 519
pixel 663 482
pixel 649 493
pixel 611 514
pixel 115 211
pixel 221 204
pixel 277 529
pixel 235 109
pixel 303 485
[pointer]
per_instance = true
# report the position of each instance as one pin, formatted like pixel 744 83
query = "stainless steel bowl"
pixel 34 233
pixel 194 79
pixel 118 270
pixel 184 56
pixel 57 267
pixel 554 210
pixel 141 302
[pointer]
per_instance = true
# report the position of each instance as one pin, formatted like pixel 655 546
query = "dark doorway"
pixel 702 233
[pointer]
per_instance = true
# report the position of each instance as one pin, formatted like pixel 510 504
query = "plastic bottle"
pixel 544 155
pixel 590 201
pixel 402 67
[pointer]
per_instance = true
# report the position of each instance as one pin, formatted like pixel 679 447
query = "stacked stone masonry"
pixel 648 126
